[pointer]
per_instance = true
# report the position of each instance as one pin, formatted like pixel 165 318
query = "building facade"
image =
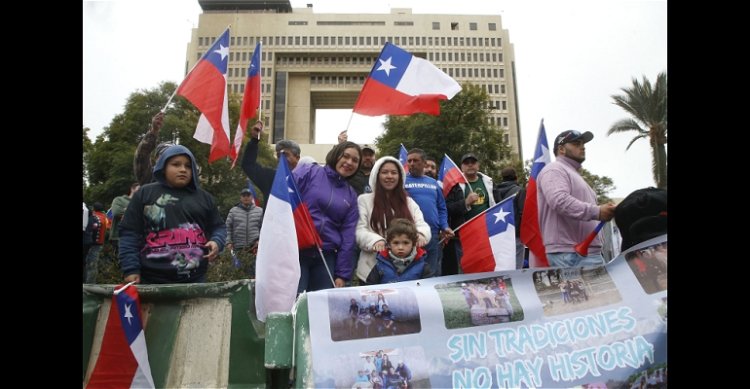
pixel 320 61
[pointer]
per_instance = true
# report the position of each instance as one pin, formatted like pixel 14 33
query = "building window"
pixel 429 41
pixel 304 41
pixel 317 40
pixel 504 105
pixel 296 40
pixel 297 23
pixel 244 56
pixel 502 89
pixel 369 41
pixel 347 41
pixel 500 57
pixel 472 26
pixel 506 138
pixel 492 26
pixel 403 23
pixel 502 73
pixel 505 122
pixel 454 26
pixel 340 40
pixel 435 25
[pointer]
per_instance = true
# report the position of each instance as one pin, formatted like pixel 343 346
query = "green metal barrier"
pixel 198 335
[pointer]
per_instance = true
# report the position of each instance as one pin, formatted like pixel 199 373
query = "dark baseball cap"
pixel 469 156
pixel 572 136
pixel 246 191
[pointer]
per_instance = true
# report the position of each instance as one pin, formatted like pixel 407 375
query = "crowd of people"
pixel 378 222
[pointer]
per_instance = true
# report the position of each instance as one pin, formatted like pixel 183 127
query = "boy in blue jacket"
pixel 401 260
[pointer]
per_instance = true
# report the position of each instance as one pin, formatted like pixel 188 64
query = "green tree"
pixel 601 185
pixel 647 105
pixel 109 159
pixel 461 127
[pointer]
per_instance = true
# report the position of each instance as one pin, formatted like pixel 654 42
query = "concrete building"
pixel 320 61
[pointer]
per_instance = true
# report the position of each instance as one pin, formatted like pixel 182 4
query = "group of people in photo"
pixel 371 319
pixel 378 372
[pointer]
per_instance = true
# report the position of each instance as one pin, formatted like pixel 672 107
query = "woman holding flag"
pixel 332 204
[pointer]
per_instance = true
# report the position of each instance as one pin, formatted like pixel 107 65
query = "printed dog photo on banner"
pixel 387 367
pixel 566 290
pixel 649 264
pixel 479 302
pixel 361 314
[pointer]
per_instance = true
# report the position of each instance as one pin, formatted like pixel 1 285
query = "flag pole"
pixel 188 73
pixel 351 115
pixel 118 291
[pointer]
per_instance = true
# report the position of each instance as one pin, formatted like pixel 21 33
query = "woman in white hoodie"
pixel 388 200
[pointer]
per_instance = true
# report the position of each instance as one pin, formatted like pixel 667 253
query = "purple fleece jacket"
pixel 333 207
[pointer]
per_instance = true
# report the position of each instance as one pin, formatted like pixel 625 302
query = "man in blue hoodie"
pixel 172 227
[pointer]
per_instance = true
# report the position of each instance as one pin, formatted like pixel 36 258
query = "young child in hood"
pixel 402 260
pixel 172 227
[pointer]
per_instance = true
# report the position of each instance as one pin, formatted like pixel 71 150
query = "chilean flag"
pixel 531 235
pixel 489 240
pixel 449 175
pixel 402 84
pixel 307 235
pixel 250 102
pixel 206 87
pixel 403 156
pixel 123 358
pixel 277 262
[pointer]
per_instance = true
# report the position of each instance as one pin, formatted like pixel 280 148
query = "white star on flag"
pixel 544 157
pixel 128 315
pixel 500 215
pixel 223 51
pixel 386 65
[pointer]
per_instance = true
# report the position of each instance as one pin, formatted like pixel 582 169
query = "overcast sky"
pixel 570 57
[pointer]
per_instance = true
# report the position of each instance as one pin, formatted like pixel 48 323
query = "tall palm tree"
pixel 648 107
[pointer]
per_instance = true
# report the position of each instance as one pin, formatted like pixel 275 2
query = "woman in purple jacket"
pixel 333 207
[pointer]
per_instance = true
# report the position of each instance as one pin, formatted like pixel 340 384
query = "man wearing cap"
pixel 361 179
pixel 263 176
pixel 464 202
pixel 243 227
pixel 568 211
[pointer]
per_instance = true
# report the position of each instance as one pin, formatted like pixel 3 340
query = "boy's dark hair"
pixel 400 226
pixel 337 152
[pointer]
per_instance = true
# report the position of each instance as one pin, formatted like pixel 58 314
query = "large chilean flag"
pixel 206 87
pixel 250 103
pixel 402 84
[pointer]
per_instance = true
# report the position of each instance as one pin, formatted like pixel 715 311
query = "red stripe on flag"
pixel 379 99
pixel 477 256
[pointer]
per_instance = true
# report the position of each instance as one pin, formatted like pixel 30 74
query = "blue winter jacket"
pixel 384 272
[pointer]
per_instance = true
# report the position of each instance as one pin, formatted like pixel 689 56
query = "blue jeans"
pixel 431 258
pixel 574 260
pixel 313 275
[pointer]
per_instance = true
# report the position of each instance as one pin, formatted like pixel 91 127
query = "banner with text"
pixel 595 327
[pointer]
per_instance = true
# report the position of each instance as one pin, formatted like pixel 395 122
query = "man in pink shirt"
pixel 568 211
